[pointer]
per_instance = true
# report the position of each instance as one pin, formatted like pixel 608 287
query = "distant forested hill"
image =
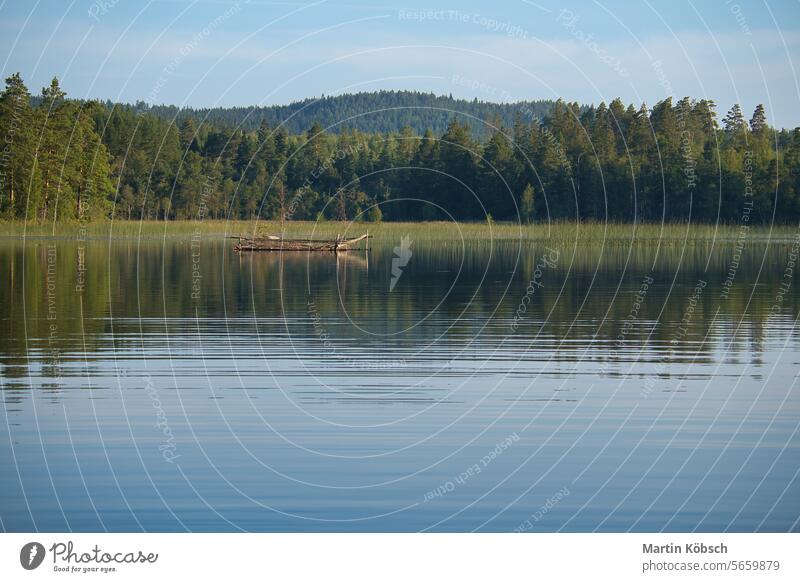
pixel 377 112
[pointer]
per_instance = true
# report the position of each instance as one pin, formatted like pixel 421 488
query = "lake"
pixel 169 384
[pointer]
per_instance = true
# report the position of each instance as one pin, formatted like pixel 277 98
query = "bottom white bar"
pixel 400 557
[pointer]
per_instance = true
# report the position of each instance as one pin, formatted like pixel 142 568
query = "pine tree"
pixel 759 121
pixel 16 145
pixel 734 121
pixel 52 125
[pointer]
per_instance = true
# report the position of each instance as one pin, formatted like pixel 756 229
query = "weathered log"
pixel 277 244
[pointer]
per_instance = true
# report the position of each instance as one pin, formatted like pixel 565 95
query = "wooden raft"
pixel 274 243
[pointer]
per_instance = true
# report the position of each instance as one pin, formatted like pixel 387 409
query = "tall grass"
pixel 560 232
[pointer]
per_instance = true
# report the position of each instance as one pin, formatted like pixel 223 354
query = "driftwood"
pixel 273 243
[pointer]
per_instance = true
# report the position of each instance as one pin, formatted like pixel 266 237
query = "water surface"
pixel 171 385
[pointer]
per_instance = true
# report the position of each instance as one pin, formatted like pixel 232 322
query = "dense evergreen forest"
pixel 67 159
pixel 377 112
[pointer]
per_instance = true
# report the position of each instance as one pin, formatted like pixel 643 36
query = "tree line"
pixel 67 159
pixel 369 112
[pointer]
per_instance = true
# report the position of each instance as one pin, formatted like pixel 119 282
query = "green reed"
pixel 555 232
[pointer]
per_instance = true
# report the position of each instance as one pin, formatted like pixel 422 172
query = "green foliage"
pixel 56 166
pixel 376 112
pixel 65 159
pixel 17 146
pixel 526 207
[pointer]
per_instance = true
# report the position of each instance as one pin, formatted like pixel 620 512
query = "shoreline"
pixel 433 231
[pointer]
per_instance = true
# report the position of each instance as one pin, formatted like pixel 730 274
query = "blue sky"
pixel 220 52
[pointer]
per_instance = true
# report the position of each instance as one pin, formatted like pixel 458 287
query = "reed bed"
pixel 556 232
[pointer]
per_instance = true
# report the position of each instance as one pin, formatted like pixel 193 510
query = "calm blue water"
pixel 630 391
